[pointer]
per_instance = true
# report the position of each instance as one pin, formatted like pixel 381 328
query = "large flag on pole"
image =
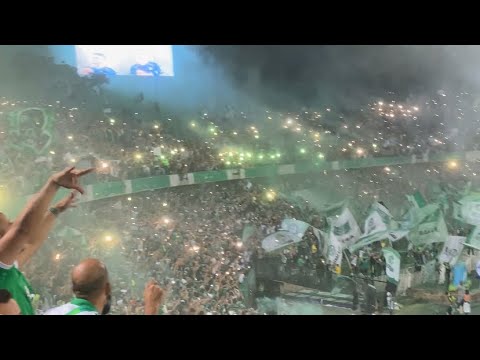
pixel 417 200
pixel 392 259
pixel 452 249
pixel 473 239
pixel 295 227
pixel 279 240
pixel 392 235
pixel 431 230
pixel 344 228
pixel 378 226
pixel 379 219
pixel 335 249
pixel 343 232
pixel 470 209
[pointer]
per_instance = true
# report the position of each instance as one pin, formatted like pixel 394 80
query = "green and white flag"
pixel 415 216
pixel 470 209
pixel 295 227
pixel 392 259
pixel 334 249
pixel 452 249
pixel 473 239
pixel 344 228
pixel 279 240
pixel 343 232
pixel 379 219
pixel 417 200
pixel 322 238
pixel 432 230
pixel 378 226
pixel 457 211
pixel 392 235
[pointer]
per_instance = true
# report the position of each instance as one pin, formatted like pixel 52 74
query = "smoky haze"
pixel 286 75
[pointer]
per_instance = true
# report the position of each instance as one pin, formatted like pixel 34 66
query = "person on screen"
pixel 145 67
pixel 98 66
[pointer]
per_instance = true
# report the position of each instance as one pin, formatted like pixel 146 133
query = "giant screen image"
pixel 136 60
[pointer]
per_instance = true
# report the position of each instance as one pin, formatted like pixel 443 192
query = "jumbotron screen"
pixel 136 60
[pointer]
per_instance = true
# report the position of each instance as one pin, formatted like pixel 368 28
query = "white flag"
pixel 335 249
pixel 345 228
pixel 470 209
pixel 279 240
pixel 378 219
pixel 295 227
pixel 392 269
pixel 452 249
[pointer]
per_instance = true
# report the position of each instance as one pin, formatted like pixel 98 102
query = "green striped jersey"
pixel 75 307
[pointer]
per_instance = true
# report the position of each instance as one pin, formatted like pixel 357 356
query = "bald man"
pixel 92 290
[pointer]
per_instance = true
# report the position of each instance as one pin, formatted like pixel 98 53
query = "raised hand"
pixel 67 202
pixel 153 296
pixel 68 178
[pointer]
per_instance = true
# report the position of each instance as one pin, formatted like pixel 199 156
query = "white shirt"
pixel 65 309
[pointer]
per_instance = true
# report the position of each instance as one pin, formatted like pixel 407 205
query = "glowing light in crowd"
pixel 193 124
pixel 360 151
pixel 155 126
pixel 108 238
pixel 387 169
pixel 321 156
pixel 271 195
pixel 73 160
pixel 138 156
pixel 166 221
pixel 239 244
pixel 70 137
pixel 52 152
pixel 104 165
pixel 452 164
pixel 164 204
pixel 112 121
pixel 129 199
pixel 302 151
pixel 57 256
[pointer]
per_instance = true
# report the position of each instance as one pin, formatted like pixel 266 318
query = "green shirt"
pixel 13 280
pixel 75 307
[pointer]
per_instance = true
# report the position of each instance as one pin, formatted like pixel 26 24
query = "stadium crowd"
pixel 189 239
